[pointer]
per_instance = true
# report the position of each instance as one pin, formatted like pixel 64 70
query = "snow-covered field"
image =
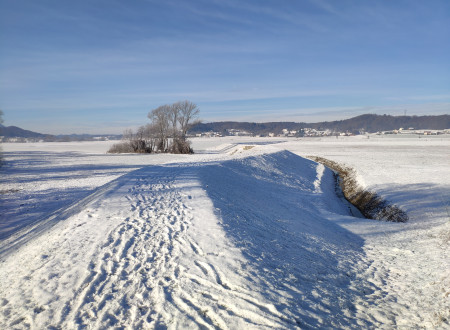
pixel 246 233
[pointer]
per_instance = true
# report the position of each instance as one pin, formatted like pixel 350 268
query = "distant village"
pixel 311 132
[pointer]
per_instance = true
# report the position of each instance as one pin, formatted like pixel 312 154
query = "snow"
pixel 243 234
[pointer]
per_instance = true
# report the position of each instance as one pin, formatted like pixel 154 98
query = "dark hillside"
pixel 375 123
pixel 370 123
pixel 14 131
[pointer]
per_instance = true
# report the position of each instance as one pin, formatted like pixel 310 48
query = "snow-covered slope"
pixel 222 244
pixel 410 262
pixel 242 235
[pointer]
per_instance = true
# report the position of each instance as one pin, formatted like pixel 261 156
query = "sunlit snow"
pixel 230 237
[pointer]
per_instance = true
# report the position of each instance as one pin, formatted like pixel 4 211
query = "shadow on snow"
pixel 278 209
pixel 300 260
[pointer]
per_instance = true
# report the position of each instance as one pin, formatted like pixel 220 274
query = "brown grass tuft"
pixel 371 205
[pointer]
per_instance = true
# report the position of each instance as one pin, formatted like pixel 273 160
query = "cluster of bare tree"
pixel 166 132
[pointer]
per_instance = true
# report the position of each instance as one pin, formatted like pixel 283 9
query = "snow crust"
pixel 243 234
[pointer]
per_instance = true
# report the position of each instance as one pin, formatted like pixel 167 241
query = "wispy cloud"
pixel 433 97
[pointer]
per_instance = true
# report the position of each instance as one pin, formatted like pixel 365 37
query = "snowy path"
pixel 138 261
pixel 152 271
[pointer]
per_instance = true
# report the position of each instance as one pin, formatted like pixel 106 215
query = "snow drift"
pixel 240 243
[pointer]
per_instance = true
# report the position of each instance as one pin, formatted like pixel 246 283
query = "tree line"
pixel 166 132
pixel 371 123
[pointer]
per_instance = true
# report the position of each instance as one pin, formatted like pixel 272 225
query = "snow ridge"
pixel 191 245
pixel 258 241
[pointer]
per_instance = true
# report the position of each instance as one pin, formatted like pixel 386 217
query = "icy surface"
pixel 243 234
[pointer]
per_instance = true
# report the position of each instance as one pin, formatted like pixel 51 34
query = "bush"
pixel 120 148
pixel 181 147
pixel 371 205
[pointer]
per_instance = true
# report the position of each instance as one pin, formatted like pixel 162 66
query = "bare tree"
pixel 139 140
pixel 150 138
pixel 173 114
pixel 166 132
pixel 129 137
pixel 160 119
pixel 188 113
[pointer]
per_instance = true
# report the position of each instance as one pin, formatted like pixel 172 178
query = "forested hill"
pixel 370 123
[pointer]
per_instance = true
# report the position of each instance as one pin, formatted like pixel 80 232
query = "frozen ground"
pixel 231 237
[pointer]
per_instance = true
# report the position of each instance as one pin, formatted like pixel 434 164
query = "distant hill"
pixel 369 123
pixel 14 131
pixel 375 123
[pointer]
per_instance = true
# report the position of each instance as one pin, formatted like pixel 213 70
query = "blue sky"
pixel 101 66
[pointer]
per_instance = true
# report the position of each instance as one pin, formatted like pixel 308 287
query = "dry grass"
pixel 121 148
pixel 371 205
